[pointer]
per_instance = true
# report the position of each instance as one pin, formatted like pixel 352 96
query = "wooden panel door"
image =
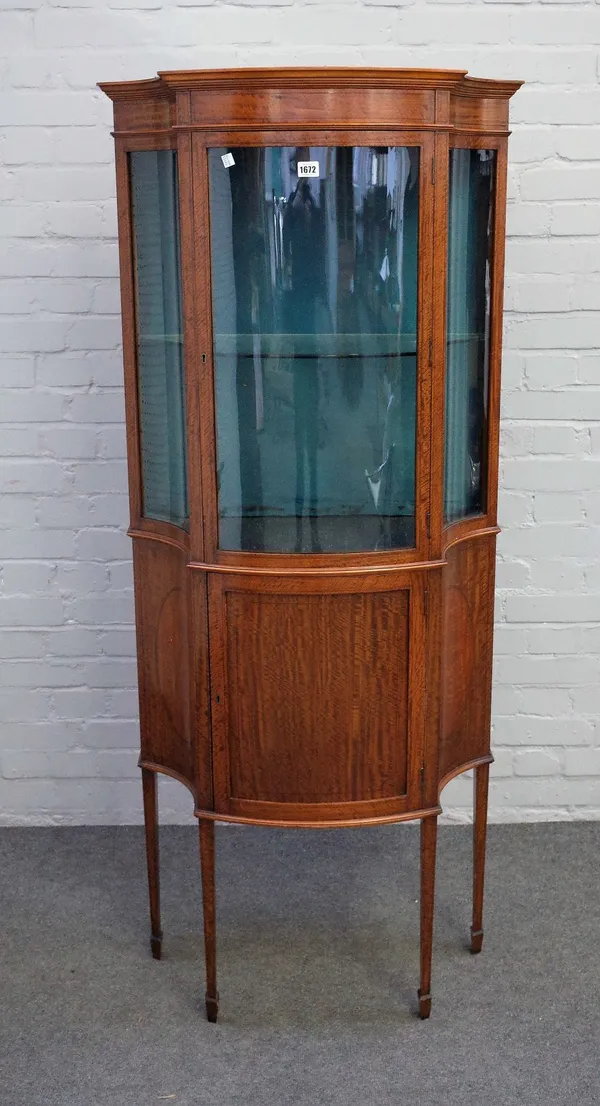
pixel 318 695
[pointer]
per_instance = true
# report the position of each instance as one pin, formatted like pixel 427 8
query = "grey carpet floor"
pixel 318 970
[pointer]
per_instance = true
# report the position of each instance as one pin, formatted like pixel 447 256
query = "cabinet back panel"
pixel 317 686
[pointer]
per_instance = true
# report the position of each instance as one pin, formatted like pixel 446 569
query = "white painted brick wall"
pixel 67 679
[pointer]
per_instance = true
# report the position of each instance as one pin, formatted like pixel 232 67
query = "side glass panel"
pixel 471 213
pixel 314 280
pixel 154 199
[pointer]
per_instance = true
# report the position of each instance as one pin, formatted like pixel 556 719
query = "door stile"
pixel 438 365
pixel 191 347
pixel 495 362
pixel 218 698
pixel 205 365
pixel 425 334
pixel 126 267
pixel 433 618
pixel 418 675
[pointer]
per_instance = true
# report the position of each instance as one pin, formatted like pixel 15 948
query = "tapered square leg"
pixel 428 855
pixel 481 787
pixel 207 861
pixel 151 825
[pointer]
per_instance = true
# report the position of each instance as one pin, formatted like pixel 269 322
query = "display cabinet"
pixel 311 272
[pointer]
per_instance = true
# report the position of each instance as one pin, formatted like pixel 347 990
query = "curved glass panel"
pixel 155 215
pixel 471 213
pixel 314 279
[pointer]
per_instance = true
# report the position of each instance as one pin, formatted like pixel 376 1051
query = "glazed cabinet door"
pixel 318 695
pixel 471 209
pixel 317 320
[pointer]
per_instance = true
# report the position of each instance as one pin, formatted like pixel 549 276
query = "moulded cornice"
pixel 169 82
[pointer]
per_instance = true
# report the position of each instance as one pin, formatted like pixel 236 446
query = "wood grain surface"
pixel 339 683
pixel 318 700
pixel 466 651
pixel 313 689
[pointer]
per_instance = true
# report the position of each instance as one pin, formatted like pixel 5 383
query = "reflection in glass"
pixel 314 284
pixel 153 177
pixel 468 330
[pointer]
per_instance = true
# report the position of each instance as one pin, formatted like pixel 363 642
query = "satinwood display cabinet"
pixel 311 271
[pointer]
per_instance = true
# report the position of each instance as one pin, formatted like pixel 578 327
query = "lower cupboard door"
pixel 317 696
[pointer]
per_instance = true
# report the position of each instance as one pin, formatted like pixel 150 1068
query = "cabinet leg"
pixel 151 824
pixel 428 853
pixel 480 789
pixel 207 861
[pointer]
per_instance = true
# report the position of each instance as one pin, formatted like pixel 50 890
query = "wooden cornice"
pixel 166 84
